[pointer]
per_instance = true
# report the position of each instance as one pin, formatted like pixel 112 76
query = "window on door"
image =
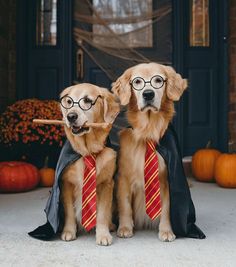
pixel 46 23
pixel 130 19
pixel 199 23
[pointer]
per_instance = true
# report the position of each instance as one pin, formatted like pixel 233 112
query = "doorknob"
pixel 80 64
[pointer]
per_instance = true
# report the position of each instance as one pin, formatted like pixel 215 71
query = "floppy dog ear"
pixel 122 88
pixel 175 84
pixel 111 107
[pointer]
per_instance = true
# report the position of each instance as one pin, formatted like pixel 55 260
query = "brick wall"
pixel 7 52
pixel 232 73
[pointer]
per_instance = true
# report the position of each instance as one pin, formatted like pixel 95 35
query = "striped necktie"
pixel 152 184
pixel 89 193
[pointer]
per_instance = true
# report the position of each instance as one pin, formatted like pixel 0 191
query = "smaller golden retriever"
pixel 80 104
pixel 149 90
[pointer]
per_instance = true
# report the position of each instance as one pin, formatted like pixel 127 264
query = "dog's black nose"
pixel 72 117
pixel 148 95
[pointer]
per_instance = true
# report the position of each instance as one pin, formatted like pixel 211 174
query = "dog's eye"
pixel 88 100
pixel 137 81
pixel 69 101
pixel 158 80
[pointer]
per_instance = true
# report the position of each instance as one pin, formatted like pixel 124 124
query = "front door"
pixel 111 36
pixel 205 64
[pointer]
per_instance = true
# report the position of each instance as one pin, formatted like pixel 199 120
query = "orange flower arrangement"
pixel 16 124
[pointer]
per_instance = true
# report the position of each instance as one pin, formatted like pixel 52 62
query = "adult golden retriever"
pixel 149 90
pixel 80 104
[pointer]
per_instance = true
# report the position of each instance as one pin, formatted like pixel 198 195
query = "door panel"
pixel 201 65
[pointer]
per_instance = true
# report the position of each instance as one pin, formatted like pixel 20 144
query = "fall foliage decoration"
pixel 203 164
pixel 225 170
pixel 16 123
pixel 17 176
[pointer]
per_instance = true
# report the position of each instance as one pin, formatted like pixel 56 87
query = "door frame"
pixel 179 39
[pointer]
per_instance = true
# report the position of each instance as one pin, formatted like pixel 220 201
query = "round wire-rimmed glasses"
pixel 138 83
pixel 84 103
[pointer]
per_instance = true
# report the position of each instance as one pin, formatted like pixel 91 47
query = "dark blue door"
pixel 205 54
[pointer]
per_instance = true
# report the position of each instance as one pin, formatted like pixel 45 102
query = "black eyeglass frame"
pixel 78 102
pixel 145 82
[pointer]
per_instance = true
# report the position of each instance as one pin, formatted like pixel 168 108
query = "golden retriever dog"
pixel 149 90
pixel 80 104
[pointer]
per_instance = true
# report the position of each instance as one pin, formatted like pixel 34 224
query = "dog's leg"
pixel 165 229
pixel 69 230
pixel 104 212
pixel 124 208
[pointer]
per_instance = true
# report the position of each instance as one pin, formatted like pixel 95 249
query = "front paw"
pixel 68 235
pixel 166 236
pixel 104 239
pixel 125 232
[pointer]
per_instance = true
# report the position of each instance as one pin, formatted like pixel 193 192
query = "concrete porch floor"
pixel 216 216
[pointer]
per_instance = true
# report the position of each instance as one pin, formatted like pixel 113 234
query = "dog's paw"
pixel 104 239
pixel 68 235
pixel 167 236
pixel 125 232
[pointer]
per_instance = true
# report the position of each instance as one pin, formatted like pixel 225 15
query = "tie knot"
pixel 90 160
pixel 151 145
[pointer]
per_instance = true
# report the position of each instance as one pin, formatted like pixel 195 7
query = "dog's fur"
pixel 90 141
pixel 148 121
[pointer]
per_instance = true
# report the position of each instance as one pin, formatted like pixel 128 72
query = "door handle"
pixel 80 64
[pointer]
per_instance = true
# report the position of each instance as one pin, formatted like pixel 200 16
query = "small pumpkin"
pixel 17 176
pixel 225 170
pixel 203 164
pixel 47 175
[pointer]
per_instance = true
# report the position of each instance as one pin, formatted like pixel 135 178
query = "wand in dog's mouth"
pixel 79 129
pixel 84 127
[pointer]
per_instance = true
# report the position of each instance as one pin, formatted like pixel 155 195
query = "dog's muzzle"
pixel 149 96
pixel 77 130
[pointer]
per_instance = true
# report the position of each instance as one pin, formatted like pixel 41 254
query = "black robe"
pixel 182 211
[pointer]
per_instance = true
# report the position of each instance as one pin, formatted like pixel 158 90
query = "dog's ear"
pixel 122 88
pixel 66 91
pixel 111 107
pixel 175 84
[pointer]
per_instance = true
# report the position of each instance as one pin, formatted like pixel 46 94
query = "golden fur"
pixel 148 122
pixel 93 141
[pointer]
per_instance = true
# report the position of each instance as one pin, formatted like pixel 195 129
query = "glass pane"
pixel 46 27
pixel 130 19
pixel 199 23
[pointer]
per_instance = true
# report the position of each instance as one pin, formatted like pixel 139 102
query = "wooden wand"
pixel 61 122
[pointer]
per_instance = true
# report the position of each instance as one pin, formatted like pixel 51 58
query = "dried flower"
pixel 16 123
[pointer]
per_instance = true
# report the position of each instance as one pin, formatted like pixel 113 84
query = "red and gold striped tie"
pixel 89 193
pixel 152 184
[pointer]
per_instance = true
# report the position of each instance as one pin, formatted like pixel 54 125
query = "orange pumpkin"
pixel 47 177
pixel 225 170
pixel 203 164
pixel 17 176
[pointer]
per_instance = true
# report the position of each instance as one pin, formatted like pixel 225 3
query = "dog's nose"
pixel 148 95
pixel 72 117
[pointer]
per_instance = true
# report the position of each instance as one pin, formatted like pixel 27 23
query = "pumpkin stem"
pixel 208 145
pixel 46 162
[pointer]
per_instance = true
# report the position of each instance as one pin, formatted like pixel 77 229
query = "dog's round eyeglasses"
pixel 156 82
pixel 84 103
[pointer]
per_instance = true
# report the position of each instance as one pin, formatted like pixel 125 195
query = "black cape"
pixel 182 211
